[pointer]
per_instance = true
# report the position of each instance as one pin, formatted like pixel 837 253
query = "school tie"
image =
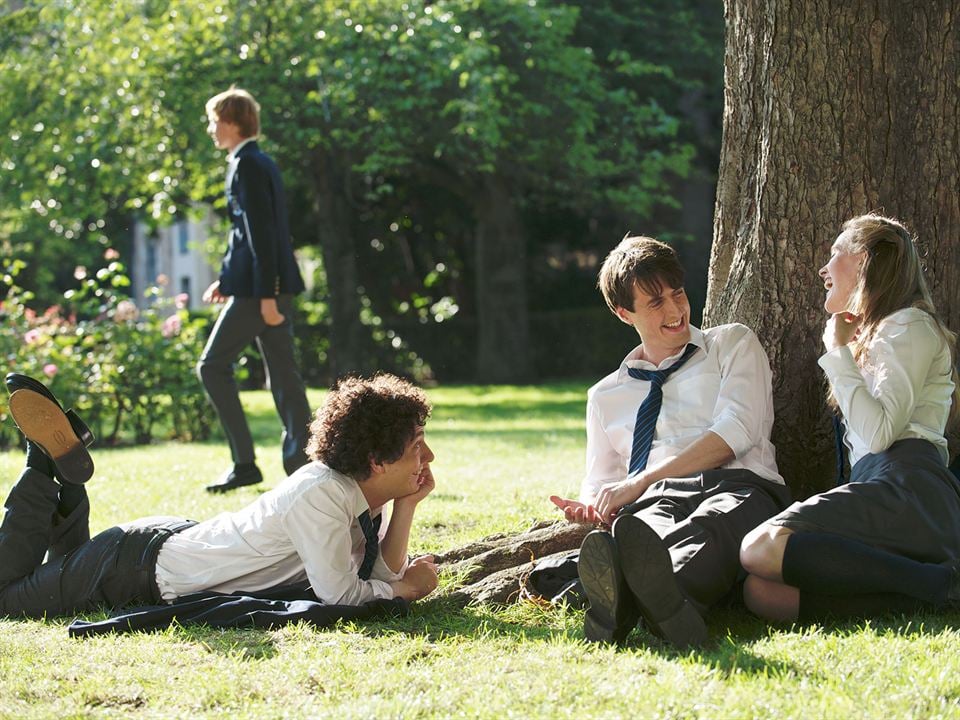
pixel 371 529
pixel 650 410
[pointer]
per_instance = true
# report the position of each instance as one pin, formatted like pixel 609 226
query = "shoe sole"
pixel 43 422
pixel 600 576
pixel 648 571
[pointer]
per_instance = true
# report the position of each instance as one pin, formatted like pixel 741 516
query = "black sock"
pixel 71 496
pixel 38 460
pixel 830 564
pixel 815 607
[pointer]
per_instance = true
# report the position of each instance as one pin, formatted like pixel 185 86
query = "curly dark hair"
pixel 364 419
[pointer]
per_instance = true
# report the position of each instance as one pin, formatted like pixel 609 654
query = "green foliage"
pixel 128 372
pixel 418 103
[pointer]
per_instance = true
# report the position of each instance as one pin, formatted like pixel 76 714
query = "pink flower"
pixel 162 280
pixel 50 370
pixel 171 326
pixel 181 301
pixel 125 311
pixel 111 254
pixel 31 336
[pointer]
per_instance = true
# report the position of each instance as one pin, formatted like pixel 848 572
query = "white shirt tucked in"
pixel 305 528
pixel 903 391
pixel 724 388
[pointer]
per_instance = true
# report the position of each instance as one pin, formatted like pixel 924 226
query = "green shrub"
pixel 128 372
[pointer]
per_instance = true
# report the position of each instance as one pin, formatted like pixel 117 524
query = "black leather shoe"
pixel 612 613
pixel 62 435
pixel 236 477
pixel 648 571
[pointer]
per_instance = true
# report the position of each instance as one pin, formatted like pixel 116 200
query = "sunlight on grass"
pixel 500 452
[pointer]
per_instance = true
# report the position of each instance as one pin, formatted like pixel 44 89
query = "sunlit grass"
pixel 500 452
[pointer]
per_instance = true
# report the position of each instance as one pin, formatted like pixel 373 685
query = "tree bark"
pixel 832 109
pixel 503 350
pixel 335 234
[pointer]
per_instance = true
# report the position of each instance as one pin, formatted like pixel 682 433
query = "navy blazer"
pixel 270 608
pixel 259 260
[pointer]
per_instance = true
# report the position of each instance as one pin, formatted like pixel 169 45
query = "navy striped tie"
pixel 650 410
pixel 371 530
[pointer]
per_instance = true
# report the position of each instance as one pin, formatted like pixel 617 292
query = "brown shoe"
pixel 44 423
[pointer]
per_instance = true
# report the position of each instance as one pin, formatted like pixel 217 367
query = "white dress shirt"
pixel 725 388
pixel 305 528
pixel 903 390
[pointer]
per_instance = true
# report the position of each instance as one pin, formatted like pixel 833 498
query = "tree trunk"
pixel 334 232
pixel 503 345
pixel 832 110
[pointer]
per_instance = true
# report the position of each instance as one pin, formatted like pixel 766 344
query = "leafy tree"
pixel 492 107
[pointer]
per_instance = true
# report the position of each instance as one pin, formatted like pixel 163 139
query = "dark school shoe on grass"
pixel 612 613
pixel 236 477
pixel 648 571
pixel 62 435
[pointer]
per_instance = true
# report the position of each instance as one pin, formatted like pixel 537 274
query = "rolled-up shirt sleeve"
pixel 320 530
pixel 745 397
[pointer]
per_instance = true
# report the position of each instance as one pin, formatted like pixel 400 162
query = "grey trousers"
pixel 115 568
pixel 239 324
pixel 702 521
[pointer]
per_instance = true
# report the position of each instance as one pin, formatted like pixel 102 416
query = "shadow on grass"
pixel 441 620
pixel 245 643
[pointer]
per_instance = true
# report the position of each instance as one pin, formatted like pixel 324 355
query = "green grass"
pixel 500 452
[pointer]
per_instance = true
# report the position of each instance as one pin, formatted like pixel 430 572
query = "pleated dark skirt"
pixel 903 500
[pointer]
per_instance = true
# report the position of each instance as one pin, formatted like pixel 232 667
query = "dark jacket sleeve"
pixel 258 198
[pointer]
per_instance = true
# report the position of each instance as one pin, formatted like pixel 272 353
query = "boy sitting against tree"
pixel 321 524
pixel 679 461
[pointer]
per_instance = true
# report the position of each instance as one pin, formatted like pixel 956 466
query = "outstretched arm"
pixel 575 511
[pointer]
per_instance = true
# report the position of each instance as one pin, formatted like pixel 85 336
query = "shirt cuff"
pixel 838 361
pixel 381 589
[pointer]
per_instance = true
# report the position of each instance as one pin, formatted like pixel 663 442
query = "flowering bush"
pixel 129 373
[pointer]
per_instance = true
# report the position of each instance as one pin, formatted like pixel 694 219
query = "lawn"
pixel 500 452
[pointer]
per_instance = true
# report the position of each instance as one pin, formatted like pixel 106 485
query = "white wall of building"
pixel 174 252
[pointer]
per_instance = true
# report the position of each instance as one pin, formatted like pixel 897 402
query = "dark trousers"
pixel 115 568
pixel 239 324
pixel 702 521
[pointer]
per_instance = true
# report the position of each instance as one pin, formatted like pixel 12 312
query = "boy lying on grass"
pixel 321 524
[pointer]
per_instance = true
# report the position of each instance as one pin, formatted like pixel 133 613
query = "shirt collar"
pixel 633 358
pixel 231 156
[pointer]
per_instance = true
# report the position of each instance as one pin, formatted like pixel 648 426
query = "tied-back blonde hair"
pixel 890 279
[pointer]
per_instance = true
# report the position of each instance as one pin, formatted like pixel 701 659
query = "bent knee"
pixel 761 551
